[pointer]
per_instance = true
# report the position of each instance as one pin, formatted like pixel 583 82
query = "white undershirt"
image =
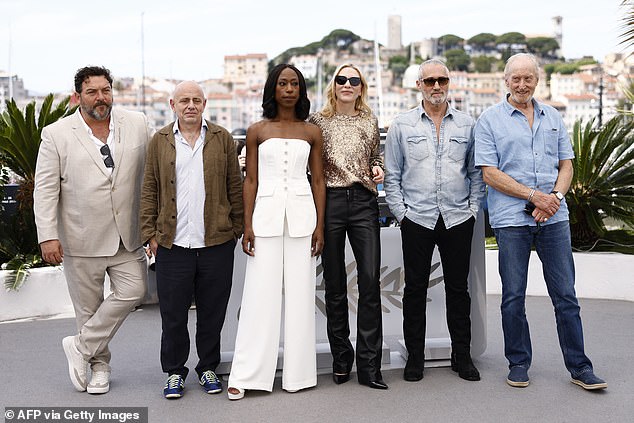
pixel 98 142
pixel 190 190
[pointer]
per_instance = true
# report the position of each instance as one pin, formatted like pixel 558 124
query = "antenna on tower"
pixel 558 32
pixel 379 87
pixel 9 67
pixel 142 65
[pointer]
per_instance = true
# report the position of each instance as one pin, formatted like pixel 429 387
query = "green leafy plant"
pixel 627 24
pixel 603 181
pixel 20 136
pixel 19 266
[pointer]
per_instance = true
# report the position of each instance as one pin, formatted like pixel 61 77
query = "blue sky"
pixel 189 39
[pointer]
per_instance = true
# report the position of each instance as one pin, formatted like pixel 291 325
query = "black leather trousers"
pixel 353 211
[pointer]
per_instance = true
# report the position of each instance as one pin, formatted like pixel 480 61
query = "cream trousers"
pixel 282 266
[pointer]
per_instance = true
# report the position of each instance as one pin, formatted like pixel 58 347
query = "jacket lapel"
pixel 119 141
pixel 84 139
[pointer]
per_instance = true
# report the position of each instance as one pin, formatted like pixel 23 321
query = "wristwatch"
pixel 558 194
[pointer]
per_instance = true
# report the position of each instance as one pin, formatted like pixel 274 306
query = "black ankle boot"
pixel 462 364
pixel 414 368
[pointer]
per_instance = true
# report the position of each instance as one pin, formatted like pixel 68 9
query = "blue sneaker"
pixel 589 381
pixel 210 382
pixel 174 387
pixel 518 377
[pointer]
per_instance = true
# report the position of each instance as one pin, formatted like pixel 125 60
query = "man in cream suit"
pixel 86 202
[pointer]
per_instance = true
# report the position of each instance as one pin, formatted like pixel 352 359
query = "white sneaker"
pixel 99 382
pixel 77 365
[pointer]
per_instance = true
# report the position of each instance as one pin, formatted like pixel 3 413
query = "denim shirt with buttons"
pixel 531 156
pixel 426 178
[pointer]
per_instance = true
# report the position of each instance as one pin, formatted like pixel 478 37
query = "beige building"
pixel 246 70
pixel 394 32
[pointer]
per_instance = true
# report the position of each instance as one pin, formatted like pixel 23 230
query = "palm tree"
pixel 20 135
pixel 627 36
pixel 603 181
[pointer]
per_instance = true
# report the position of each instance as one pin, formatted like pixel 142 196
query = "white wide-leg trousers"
pixel 280 265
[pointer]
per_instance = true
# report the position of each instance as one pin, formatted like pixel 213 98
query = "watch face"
pixel 559 195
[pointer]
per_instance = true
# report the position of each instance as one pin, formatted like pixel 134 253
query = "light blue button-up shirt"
pixel 425 177
pixel 531 156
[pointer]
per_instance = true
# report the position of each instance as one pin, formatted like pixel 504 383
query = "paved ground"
pixel 34 373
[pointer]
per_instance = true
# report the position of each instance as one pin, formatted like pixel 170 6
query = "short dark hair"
pixel 88 71
pixel 269 105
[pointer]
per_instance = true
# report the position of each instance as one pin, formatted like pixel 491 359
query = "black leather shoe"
pixel 339 379
pixel 462 364
pixel 375 384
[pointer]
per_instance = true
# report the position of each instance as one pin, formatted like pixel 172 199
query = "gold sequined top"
pixel 351 149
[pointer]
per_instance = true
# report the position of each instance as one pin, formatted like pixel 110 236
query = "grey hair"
pixel 511 60
pixel 431 62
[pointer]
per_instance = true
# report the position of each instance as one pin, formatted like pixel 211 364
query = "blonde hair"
pixel 360 104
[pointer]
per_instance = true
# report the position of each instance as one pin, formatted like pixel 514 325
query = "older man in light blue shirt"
pixel 525 154
pixel 434 190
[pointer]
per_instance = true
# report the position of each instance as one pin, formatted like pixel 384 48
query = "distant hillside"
pixel 339 39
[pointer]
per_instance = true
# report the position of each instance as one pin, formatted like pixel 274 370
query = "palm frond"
pixel 627 24
pixel 20 136
pixel 19 271
pixel 603 179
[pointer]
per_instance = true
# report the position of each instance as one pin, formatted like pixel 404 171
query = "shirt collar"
pixel 81 118
pixel 510 108
pixel 449 112
pixel 202 125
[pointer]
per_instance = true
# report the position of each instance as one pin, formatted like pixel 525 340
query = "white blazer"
pixel 283 189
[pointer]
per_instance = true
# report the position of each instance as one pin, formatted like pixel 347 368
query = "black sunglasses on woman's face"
pixel 341 80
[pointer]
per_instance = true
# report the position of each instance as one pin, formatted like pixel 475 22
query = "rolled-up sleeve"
pixel 484 141
pixel 476 187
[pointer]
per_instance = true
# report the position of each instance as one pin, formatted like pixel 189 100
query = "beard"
pixel 522 98
pixel 94 113
pixel 435 99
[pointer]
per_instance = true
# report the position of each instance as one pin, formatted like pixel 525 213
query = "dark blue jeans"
pixel 552 243
pixel 204 274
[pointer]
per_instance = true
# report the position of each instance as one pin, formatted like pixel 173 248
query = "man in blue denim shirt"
pixel 526 158
pixel 434 190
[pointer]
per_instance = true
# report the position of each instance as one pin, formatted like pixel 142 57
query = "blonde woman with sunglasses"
pixel 352 169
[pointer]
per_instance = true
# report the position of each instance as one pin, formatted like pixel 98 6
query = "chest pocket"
pixel 458 148
pixel 551 142
pixel 417 146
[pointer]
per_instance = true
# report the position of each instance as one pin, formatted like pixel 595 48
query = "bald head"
pixel 187 86
pixel 188 102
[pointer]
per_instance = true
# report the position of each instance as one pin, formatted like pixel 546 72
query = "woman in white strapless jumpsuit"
pixel 283 234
